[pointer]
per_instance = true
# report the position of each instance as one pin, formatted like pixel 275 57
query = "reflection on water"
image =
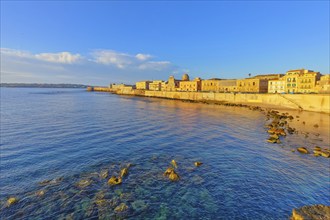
pixel 75 135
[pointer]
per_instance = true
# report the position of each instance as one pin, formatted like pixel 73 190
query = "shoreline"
pixel 319 103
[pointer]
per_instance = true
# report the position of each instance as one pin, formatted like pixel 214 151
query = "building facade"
pixel 276 85
pixel 252 85
pixel 301 81
pixel 307 82
pixel 142 85
pixel 219 85
pixel 190 86
pixel 156 85
pixel 323 85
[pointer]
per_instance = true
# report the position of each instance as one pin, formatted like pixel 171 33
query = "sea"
pixel 55 143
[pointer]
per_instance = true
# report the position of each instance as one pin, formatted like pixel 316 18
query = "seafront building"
pixel 191 86
pixel 323 85
pixel 294 81
pixel 156 85
pixel 143 85
pixel 276 85
pixel 219 85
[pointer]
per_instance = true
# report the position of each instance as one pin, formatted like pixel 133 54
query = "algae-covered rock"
pixel 101 202
pixel 197 163
pixel 168 171
pixel 84 183
pixel 104 174
pixel 121 208
pixel 174 176
pixel 173 162
pixel 40 193
pixel 139 205
pixel 313 212
pixel 123 172
pixel 325 154
pixel 11 201
pixel 114 180
pixel 302 150
pixel 317 153
pixel 51 182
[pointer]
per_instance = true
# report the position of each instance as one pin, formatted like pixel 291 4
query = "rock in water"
pixel 197 164
pixel 40 193
pixel 84 183
pixel 173 162
pixel 168 171
pixel 11 201
pixel 104 174
pixel 174 176
pixel 122 207
pixel 123 172
pixel 114 180
pixel 311 212
pixel 302 150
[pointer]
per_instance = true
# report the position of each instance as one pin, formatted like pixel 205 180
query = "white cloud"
pixel 109 57
pixel 16 53
pixel 155 65
pixel 143 57
pixel 99 67
pixel 62 57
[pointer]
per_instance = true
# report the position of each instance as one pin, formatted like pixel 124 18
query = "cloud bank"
pixel 98 67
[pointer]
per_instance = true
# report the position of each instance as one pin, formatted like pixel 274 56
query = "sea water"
pixel 68 135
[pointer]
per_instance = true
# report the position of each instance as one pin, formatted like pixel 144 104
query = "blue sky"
pixel 98 42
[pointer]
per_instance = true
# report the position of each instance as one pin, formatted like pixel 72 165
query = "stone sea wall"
pixel 308 102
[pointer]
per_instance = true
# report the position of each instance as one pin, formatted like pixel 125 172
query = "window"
pixel 294 80
pixel 288 85
pixel 309 80
pixel 289 79
pixel 254 83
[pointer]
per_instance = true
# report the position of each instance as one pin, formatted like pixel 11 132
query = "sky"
pixel 102 42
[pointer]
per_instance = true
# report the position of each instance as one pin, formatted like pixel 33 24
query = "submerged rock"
pixel 302 150
pixel 173 162
pixel 123 172
pixel 11 201
pixel 174 176
pixel 40 193
pixel 139 205
pixel 311 212
pixel 51 182
pixel 104 174
pixel 121 208
pixel 114 180
pixel 197 163
pixel 84 183
pixel 168 171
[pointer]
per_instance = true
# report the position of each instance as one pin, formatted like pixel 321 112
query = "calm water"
pixel 69 133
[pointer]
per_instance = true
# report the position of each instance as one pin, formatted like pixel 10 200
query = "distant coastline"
pixel 42 85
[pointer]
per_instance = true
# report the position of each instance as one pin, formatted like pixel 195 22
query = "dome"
pixel 185 77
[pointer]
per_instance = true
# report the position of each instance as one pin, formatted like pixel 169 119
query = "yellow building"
pixel 323 85
pixel 252 85
pixel 219 85
pixel 191 86
pixel 171 85
pixel 301 81
pixel 276 85
pixel 142 85
pixel 307 82
pixel 156 85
